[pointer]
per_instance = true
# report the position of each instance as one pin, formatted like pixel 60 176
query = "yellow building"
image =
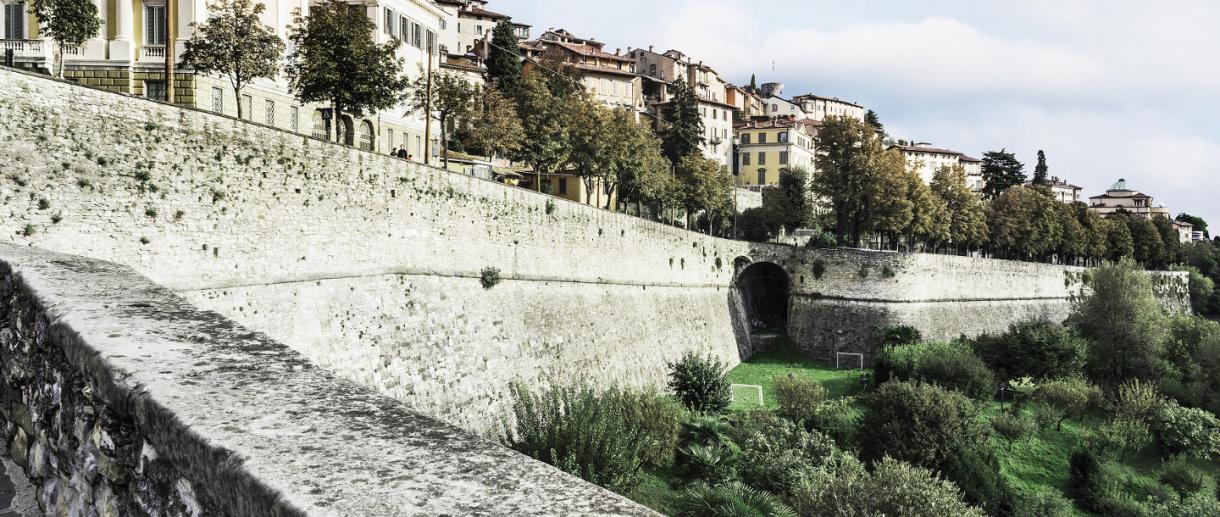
pixel 766 147
pixel 128 56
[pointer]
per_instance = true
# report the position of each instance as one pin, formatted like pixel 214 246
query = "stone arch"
pixel 765 289
pixel 344 130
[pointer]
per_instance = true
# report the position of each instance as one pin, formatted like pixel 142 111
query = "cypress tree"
pixel 683 134
pixel 503 61
pixel 1040 177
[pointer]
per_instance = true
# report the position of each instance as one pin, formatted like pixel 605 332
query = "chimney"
pixel 650 48
pixel 617 50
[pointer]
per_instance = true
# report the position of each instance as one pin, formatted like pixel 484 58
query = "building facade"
pixel 659 70
pixel 926 160
pixel 1119 197
pixel 767 147
pixel 817 107
pixel 128 56
pixel 610 78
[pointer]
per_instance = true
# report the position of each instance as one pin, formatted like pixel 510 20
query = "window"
pixel 775 107
pixel 762 138
pixel 762 176
pixel 154 24
pixel 389 140
pixel 404 28
pixel 366 135
pixel 745 138
pixel 563 185
pixel 269 112
pixel 218 99
pixel 319 126
pixel 783 157
pixel 431 42
pixel 294 116
pixel 783 137
pixel 762 158
pixel 247 104
pixel 388 26
pixel 444 24
pixel 154 90
pixel 14 21
pixel 745 158
pixel 416 37
pixel 478 29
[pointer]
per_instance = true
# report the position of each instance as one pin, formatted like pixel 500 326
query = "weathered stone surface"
pixel 144 405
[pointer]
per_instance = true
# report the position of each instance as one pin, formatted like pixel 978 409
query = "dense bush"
pixel 699 382
pixel 799 397
pixel 951 365
pixel 714 463
pixel 1085 480
pixel 899 335
pixel 596 436
pixel 894 488
pixel 1123 322
pixel 705 429
pixel 780 455
pixel 1033 348
pixel 758 224
pixel 935 429
pixel 1136 400
pixel 1068 398
pixel 1043 503
pixel 1196 505
pixel 1121 435
pixel 1192 355
pixel 658 418
pixel 1182 478
pixel 728 500
pixel 1189 431
pixel 1013 426
pixel 837 419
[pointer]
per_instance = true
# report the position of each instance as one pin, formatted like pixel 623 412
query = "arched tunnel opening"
pixel 764 292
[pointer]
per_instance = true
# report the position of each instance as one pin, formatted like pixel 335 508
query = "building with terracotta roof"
pixel 926 160
pixel 1119 197
pixel 467 23
pixel 659 70
pixel 610 78
pixel 1062 191
pixel 818 107
pixel 765 147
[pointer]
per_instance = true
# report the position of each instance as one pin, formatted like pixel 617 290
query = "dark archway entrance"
pixel 764 292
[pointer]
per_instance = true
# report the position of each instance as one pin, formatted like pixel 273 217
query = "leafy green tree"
pixel 699 382
pixel 545 120
pixel 892 488
pixel 1073 243
pixel 335 60
pixel 563 78
pixel 890 208
pixel 494 126
pixel 705 185
pixel 1034 348
pixel 1019 227
pixel 758 224
pixel 503 61
pixel 645 176
pixel 69 22
pixel 1001 171
pixel 450 97
pixel 233 42
pixel 682 129
pixel 871 118
pixel 930 222
pixel 966 212
pixel 795 207
pixel 1040 171
pixel 1187 431
pixel 606 145
pixel 1069 397
pixel 1171 245
pixel 844 152
pixel 1122 320
pixel 1147 248
pixel 1119 244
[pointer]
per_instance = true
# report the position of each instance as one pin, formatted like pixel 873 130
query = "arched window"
pixel 319 125
pixel 366 135
pixel 344 133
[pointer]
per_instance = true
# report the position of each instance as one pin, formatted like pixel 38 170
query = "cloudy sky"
pixel 1108 89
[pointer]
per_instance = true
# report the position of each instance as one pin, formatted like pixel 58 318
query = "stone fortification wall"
pixel 119 398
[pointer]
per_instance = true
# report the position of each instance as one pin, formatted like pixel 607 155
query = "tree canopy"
pixel 233 42
pixel 682 129
pixel 503 62
pixel 1001 170
pixel 69 22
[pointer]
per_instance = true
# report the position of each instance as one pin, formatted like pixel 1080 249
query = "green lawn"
pixel 762 370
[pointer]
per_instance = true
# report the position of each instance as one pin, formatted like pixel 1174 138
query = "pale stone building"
pixel 1119 197
pixel 659 70
pixel 926 160
pixel 128 56
pixel 768 146
pixel 817 107
pixel 1063 191
pixel 610 78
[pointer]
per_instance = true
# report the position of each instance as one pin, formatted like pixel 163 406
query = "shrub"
pixel 550 206
pixel 1012 427
pixel 1042 503
pixel 824 240
pixel 1085 480
pixel 951 365
pixel 1123 322
pixel 705 429
pixel 579 431
pixel 728 500
pixel 489 277
pixel 837 419
pixel 700 383
pixel 1121 434
pixel 780 455
pixel 1046 416
pixel 1070 397
pixel 43 204
pixel 798 397
pixel 1033 348
pixel 1196 505
pixel 937 429
pixel 714 463
pixel 1182 478
pixel 1137 400
pixel 1191 431
pixel 893 488
pixel 898 335
pixel 657 417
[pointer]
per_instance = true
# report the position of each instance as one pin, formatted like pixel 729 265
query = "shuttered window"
pixel 154 24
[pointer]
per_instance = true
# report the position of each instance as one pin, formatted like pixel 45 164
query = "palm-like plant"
pixel 728 500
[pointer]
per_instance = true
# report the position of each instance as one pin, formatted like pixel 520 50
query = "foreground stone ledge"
pixel 118 398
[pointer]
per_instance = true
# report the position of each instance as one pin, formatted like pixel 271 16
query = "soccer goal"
pixel 753 391
pixel 849 358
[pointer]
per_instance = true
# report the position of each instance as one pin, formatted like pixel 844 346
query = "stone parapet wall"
pixel 119 398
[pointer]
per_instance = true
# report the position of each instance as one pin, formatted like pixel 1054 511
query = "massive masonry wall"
pixel 119 398
pixel 370 266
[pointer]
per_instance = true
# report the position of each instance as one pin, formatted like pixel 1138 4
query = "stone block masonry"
pixel 369 265
pixel 119 398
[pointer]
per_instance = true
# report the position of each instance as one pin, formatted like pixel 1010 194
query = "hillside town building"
pixel 610 78
pixel 817 107
pixel 926 160
pixel 658 71
pixel 1120 197
pixel 767 147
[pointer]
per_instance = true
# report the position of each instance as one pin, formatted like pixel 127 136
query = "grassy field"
pixel 764 368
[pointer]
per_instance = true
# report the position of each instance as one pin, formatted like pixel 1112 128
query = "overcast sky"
pixel 1108 89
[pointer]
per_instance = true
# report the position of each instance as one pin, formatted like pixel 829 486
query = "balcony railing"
pixel 152 52
pixel 23 47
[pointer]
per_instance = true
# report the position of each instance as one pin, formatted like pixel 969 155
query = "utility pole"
pixel 428 112
pixel 170 15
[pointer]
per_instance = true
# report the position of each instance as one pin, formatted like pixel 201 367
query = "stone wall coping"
pixel 257 428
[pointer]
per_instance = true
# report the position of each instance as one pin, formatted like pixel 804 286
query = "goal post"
pixel 842 358
pixel 753 387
